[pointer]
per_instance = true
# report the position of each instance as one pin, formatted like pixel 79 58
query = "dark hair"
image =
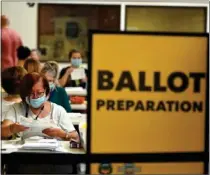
pixel 11 78
pixel 35 65
pixel 29 80
pixel 23 52
pixel 72 52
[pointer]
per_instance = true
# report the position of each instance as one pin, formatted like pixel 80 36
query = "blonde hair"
pixel 32 65
pixel 51 67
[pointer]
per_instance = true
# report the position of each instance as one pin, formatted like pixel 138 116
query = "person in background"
pixel 34 92
pixel 32 65
pixel 10 41
pixel 65 75
pixel 11 78
pixel 58 94
pixel 23 53
pixel 35 54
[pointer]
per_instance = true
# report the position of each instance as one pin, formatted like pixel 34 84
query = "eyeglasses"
pixel 37 94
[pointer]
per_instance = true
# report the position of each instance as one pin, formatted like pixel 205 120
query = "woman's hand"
pixel 54 132
pixel 69 70
pixel 84 80
pixel 16 128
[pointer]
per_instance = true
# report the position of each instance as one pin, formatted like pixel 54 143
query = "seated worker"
pixel 32 65
pixel 23 53
pixel 34 92
pixel 35 54
pixel 58 94
pixel 11 78
pixel 65 74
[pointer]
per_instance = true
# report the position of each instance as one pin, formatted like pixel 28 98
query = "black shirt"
pixel 72 83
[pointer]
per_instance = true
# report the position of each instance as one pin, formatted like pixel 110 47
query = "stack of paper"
pixel 43 144
pixel 74 89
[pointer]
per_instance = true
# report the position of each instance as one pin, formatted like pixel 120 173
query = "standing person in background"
pixel 10 41
pixel 35 54
pixel 23 53
pixel 65 75
pixel 58 94
pixel 32 65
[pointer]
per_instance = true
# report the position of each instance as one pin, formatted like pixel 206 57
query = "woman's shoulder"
pixel 17 108
pixel 57 107
pixel 65 68
pixel 60 90
pixel 19 105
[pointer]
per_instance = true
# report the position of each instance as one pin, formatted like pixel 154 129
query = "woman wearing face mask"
pixel 34 92
pixel 58 94
pixel 65 75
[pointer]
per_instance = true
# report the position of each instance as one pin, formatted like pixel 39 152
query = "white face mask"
pixel 36 103
pixel 76 62
pixel 52 86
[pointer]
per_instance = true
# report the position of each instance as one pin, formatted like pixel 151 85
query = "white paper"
pixel 48 141
pixel 42 144
pixel 38 145
pixel 10 146
pixel 35 127
pixel 78 74
pixel 74 115
pixel 11 150
pixel 74 89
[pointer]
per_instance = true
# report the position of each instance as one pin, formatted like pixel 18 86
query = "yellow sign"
pixel 148 168
pixel 147 93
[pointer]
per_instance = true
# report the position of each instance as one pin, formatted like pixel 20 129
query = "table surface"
pixel 10 146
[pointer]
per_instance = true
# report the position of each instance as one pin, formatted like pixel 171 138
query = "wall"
pixel 24 19
pixel 166 19
pixel 52 27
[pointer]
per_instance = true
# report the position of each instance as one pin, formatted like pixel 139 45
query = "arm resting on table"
pixel 71 136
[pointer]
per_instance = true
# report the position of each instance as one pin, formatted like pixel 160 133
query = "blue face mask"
pixel 76 62
pixel 36 103
pixel 52 86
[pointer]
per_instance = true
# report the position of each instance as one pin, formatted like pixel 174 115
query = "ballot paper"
pixel 35 127
pixel 78 74
pixel 43 144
